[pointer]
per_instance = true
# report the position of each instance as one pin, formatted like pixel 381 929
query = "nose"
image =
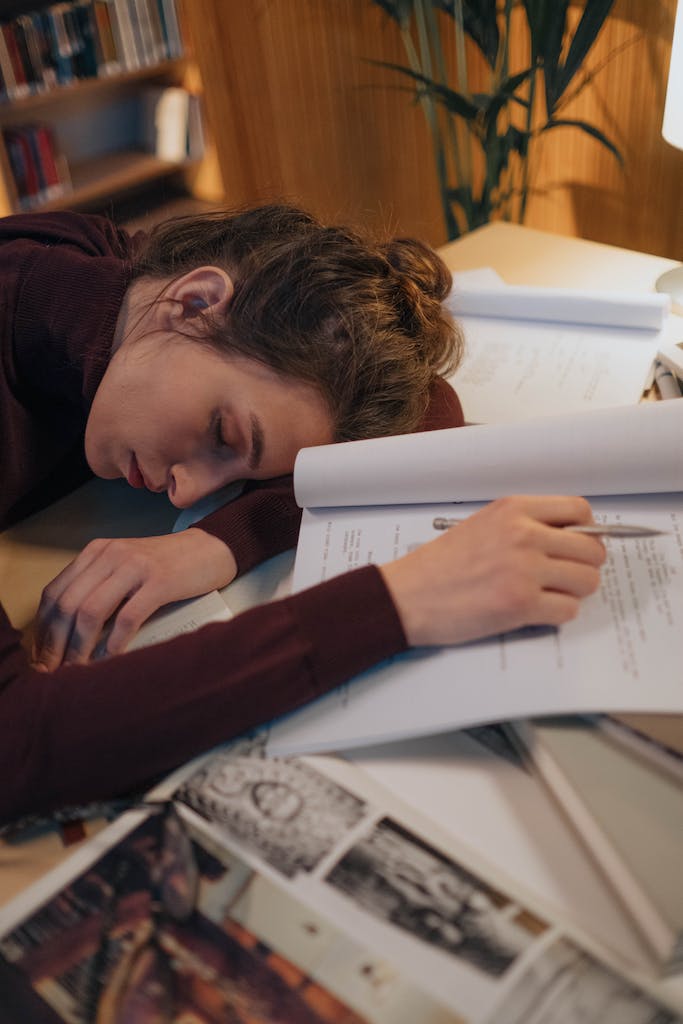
pixel 188 483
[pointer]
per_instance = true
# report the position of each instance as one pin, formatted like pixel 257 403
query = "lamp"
pixel 672 130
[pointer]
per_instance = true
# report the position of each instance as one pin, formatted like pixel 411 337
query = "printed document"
pixel 537 351
pixel 621 653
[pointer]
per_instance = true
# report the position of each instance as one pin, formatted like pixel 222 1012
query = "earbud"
pixel 193 305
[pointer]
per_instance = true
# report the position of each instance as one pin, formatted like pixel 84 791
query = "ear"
pixel 202 290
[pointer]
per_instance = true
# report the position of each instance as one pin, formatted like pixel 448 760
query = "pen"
pixel 597 529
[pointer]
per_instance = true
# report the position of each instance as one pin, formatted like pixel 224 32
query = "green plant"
pixel 483 140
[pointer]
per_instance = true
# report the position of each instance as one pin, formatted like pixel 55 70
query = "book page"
pixel 629 450
pixel 538 351
pixel 518 369
pixel 183 617
pixel 509 820
pixel 617 655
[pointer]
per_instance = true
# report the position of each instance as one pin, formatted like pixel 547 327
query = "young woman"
pixel 206 353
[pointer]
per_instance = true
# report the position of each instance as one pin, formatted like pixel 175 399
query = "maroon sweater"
pixel 94 731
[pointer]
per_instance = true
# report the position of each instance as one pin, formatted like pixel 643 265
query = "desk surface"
pixel 33 552
pixel 526 256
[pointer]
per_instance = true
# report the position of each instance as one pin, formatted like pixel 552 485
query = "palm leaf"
pixel 551 54
pixel 592 19
pixel 450 99
pixel 584 126
pixel 480 22
pixel 399 10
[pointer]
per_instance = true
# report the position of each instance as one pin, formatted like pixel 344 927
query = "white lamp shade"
pixel 672 127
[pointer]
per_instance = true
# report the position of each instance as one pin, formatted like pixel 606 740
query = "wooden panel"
pixel 640 206
pixel 298 112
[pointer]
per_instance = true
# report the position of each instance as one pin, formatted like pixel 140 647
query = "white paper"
pixel 622 652
pixel 606 451
pixel 537 351
pixel 480 295
pixel 183 617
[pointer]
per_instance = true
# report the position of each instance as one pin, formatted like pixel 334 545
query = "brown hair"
pixel 362 321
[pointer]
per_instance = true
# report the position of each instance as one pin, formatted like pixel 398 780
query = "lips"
pixel 135 477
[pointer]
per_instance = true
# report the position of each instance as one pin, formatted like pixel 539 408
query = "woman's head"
pixel 246 337
pixel 361 321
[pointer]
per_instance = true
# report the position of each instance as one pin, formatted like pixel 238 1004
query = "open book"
pixel 618 655
pixel 304 892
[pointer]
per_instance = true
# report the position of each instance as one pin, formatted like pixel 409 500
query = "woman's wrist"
pixel 214 553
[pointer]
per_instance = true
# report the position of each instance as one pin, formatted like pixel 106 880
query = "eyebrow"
pixel 257 443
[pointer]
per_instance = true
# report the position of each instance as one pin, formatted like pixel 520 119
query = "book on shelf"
pixel 300 890
pixel 627 807
pixel 171 124
pixel 39 169
pixel 80 39
pixel 107 37
pixel 168 15
pixel 540 351
pixel 12 67
pixel 127 17
pixel 372 501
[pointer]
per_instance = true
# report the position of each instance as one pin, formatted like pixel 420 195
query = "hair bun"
pixel 416 265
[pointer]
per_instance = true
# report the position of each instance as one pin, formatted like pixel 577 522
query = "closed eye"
pixel 218 431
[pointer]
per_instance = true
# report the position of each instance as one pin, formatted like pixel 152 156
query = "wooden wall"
pixel 299 113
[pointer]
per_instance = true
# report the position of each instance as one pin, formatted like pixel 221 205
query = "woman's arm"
pixel 85 732
pixel 92 731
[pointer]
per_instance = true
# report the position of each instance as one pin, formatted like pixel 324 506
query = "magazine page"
pixel 634 449
pixel 287 891
pixel 616 655
pixel 478 788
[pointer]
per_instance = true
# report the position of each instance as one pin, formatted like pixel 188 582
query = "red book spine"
pixel 28 181
pixel 22 87
pixel 45 143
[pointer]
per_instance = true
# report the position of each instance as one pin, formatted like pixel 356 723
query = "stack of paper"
pixel 536 351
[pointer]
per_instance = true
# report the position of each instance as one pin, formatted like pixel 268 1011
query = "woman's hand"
pixel 504 567
pixel 124 581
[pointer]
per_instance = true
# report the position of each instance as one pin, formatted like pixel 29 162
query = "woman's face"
pixel 172 415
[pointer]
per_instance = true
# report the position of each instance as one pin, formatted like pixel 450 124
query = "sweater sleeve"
pixel 89 732
pixel 264 520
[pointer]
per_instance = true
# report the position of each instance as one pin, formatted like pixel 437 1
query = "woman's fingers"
pixel 555 510
pixel 71 625
pixel 567 577
pixel 54 618
pixel 509 565
pixel 121 582
pixel 130 617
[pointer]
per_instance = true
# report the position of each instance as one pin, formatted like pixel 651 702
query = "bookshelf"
pixel 80 117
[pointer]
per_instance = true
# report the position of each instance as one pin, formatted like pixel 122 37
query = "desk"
pixel 33 552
